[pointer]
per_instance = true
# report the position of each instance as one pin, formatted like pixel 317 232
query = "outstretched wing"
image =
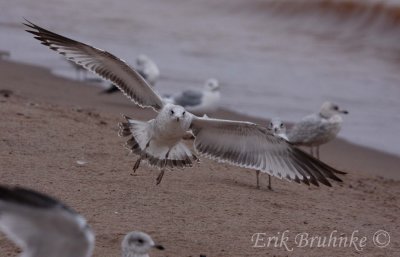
pixel 43 226
pixel 248 145
pixel 102 63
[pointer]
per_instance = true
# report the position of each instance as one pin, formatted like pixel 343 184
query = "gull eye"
pixel 172 112
pixel 140 241
pixel 335 107
pixel 183 113
pixel 281 125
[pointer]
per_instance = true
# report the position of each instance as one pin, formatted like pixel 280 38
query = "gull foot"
pixel 160 176
pixel 137 164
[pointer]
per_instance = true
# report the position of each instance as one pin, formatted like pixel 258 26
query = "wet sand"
pixel 49 123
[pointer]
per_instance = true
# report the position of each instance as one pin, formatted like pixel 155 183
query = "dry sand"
pixel 50 123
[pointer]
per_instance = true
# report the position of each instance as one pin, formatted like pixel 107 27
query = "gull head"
pixel 329 109
pixel 176 114
pixel 212 85
pixel 277 127
pixel 142 59
pixel 138 243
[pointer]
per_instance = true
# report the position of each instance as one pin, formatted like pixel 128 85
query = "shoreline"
pixel 88 97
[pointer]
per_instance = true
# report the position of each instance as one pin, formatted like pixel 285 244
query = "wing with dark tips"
pixel 248 145
pixel 102 63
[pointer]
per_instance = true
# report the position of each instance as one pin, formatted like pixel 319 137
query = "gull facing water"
pixel 159 141
pixel 45 227
pixel 146 67
pixel 318 128
pixel 199 102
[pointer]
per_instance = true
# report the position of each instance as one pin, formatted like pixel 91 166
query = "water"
pixel 273 58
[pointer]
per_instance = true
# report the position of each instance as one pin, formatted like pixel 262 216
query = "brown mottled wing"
pixel 248 145
pixel 102 63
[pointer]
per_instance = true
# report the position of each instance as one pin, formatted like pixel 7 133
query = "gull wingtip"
pixel 28 23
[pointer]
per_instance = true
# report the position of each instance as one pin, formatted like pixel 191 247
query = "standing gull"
pixel 277 127
pixel 44 227
pixel 318 128
pixel 4 54
pixel 159 141
pixel 199 102
pixel 78 71
pixel 146 67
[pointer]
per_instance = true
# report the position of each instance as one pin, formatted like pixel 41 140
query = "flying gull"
pixel 146 67
pixel 277 127
pixel 318 128
pixel 43 226
pixel 199 102
pixel 159 141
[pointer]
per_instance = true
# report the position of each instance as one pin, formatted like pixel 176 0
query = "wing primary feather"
pixel 327 170
pixel 248 145
pixel 304 158
pixel 104 64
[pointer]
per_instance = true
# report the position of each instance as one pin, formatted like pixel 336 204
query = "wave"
pixel 370 11
pixel 355 22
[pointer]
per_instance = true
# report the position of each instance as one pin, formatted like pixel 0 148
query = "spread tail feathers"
pixel 155 153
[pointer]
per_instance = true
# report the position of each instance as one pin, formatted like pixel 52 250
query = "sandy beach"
pixel 49 123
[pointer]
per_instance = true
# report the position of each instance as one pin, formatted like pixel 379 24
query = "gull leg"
pixel 137 163
pixel 269 182
pixel 257 176
pixel 160 176
pixel 195 158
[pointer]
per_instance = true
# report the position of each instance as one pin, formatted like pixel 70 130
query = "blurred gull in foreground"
pixel 146 67
pixel 199 102
pixel 318 128
pixel 277 127
pixel 44 227
pixel 159 141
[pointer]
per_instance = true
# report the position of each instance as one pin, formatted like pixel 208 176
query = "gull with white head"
pixel 199 102
pixel 278 128
pixel 138 244
pixel 318 128
pixel 146 67
pixel 43 226
pixel 160 141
